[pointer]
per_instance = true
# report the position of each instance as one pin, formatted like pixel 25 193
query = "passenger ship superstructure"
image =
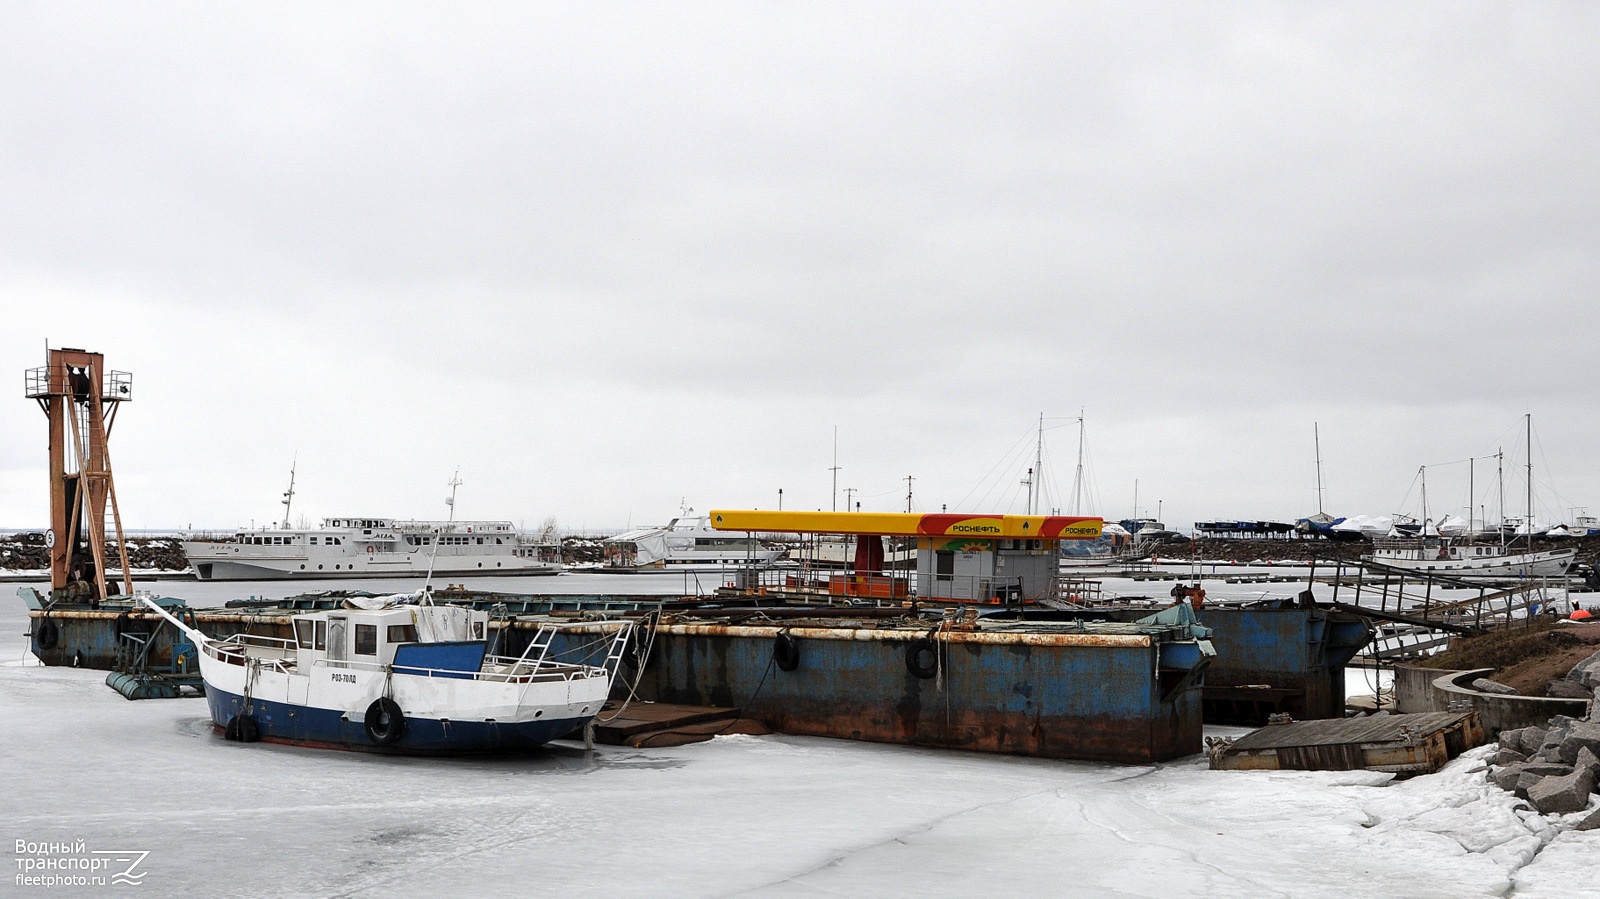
pixel 686 543
pixel 371 548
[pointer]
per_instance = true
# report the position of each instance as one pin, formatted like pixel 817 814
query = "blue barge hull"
pixel 1116 697
pixel 1272 656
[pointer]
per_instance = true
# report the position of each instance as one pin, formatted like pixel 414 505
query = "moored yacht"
pixel 686 543
pixel 373 547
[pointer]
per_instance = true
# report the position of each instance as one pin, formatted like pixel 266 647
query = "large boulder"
pixel 1589 823
pixel 1485 685
pixel 1507 757
pixel 1507 778
pixel 1550 747
pixel 1579 735
pixel 1588 759
pixel 1532 738
pixel 1512 739
pixel 1562 688
pixel 1586 673
pixel 1562 795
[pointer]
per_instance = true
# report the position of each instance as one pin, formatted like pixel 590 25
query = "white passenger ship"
pixel 1441 556
pixel 373 547
pixel 687 543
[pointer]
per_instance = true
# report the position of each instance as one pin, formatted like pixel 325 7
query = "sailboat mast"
pixel 1034 487
pixel 1316 437
pixel 1422 473
pixel 1472 495
pixel 1528 522
pixel 1077 479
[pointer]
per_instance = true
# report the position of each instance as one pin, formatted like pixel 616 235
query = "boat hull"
pixel 239 569
pixel 280 722
pixel 444 711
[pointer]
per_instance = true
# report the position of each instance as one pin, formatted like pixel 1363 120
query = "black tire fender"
pixel 46 635
pixel 786 651
pixel 242 729
pixel 385 723
pixel 922 657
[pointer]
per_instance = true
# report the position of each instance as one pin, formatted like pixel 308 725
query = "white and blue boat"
pixel 399 675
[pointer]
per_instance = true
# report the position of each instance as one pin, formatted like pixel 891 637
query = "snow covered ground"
pixel 777 815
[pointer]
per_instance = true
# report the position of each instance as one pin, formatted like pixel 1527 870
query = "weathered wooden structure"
pixel 1400 744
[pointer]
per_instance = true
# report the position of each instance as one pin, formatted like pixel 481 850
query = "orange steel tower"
pixel 81 398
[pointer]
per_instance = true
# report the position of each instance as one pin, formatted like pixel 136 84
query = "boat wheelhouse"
pixel 373 547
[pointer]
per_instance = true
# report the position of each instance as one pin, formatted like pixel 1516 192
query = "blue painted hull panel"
pixel 303 726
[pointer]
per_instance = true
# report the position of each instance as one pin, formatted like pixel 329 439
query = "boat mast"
pixel 1528 522
pixel 1500 476
pixel 455 481
pixel 288 495
pixel 835 470
pixel 1316 437
pixel 1422 472
pixel 1077 479
pixel 1038 470
pixel 427 582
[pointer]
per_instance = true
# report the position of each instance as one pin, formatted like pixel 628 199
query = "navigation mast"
pixel 288 495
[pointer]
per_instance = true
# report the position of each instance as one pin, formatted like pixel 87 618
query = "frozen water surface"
pixel 777 815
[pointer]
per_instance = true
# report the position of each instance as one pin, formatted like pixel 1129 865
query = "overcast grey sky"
pixel 605 257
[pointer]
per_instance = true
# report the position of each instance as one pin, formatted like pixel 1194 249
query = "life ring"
pixel 369 549
pixel 385 723
pixel 46 635
pixel 915 662
pixel 242 729
pixel 786 651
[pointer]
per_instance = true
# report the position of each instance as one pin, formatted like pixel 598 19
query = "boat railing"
pixel 547 672
pixel 535 661
pixel 236 648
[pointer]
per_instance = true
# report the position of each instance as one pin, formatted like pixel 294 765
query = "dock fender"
pixel 242 729
pixel 922 657
pixel 786 651
pixel 46 635
pixel 385 723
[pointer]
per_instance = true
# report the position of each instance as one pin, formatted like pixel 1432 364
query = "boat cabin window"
pixel 402 633
pixel 321 636
pixel 477 630
pixel 304 631
pixel 366 640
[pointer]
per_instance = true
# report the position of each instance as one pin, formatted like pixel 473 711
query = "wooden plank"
pixel 1373 729
pixel 643 717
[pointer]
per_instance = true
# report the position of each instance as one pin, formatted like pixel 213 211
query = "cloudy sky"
pixel 607 258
